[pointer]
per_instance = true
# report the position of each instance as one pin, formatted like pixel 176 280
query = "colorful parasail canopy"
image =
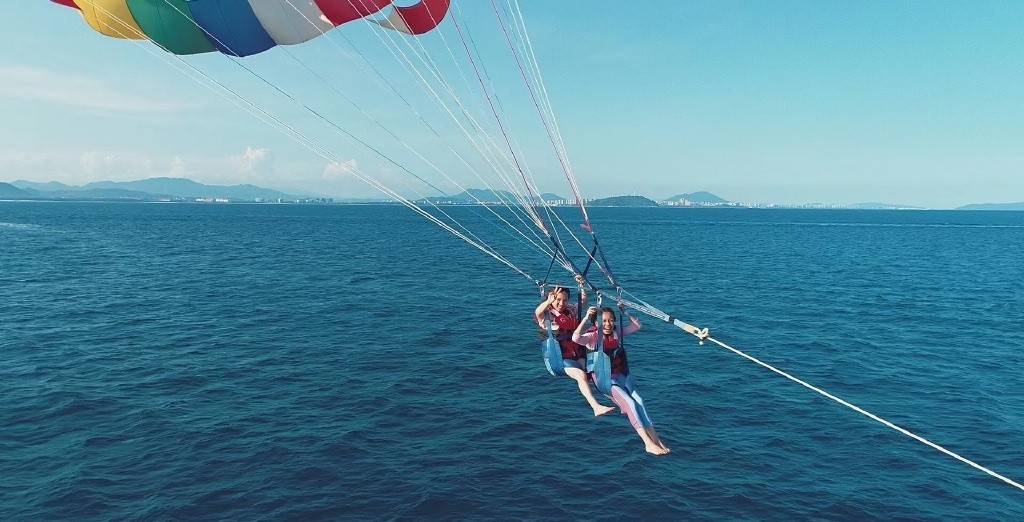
pixel 244 27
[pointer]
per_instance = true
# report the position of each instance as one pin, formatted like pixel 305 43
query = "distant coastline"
pixel 381 203
pixel 182 190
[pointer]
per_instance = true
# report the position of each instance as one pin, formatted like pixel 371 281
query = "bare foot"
pixel 655 450
pixel 603 410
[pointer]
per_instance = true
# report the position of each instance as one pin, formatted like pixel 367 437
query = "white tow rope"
pixel 703 336
pixel 868 414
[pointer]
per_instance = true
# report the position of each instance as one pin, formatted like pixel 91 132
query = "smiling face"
pixel 607 322
pixel 561 300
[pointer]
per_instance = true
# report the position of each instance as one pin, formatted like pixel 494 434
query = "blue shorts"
pixel 579 364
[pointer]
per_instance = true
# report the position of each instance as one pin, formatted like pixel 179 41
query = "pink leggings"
pixel 629 401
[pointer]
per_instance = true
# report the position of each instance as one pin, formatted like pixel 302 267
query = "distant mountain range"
pixel 623 201
pixel 476 196
pixel 182 189
pixel 152 189
pixel 696 197
pixel 8 191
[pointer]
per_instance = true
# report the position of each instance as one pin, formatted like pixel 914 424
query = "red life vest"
pixel 567 324
pixel 612 347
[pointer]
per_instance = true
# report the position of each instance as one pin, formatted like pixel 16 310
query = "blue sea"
pixel 290 362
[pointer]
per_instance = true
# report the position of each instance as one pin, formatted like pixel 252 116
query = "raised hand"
pixel 552 294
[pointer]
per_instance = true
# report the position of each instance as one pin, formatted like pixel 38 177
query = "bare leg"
pixel 629 406
pixel 657 440
pixel 650 445
pixel 580 377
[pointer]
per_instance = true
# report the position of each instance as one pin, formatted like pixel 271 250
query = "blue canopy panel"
pixel 231 26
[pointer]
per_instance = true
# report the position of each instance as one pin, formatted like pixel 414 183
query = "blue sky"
pixel 839 102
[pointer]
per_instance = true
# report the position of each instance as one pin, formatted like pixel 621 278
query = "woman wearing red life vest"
pixel 563 316
pixel 622 391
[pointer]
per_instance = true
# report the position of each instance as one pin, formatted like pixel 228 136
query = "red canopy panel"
pixel 419 18
pixel 343 11
pixel 69 3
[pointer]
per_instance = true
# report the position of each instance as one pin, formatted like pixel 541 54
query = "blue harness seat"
pixel 552 352
pixel 599 363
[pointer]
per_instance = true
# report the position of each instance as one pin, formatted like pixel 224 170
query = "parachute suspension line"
pixel 413 70
pixel 488 139
pixel 546 112
pixel 532 58
pixel 547 274
pixel 540 112
pixel 542 249
pixel 504 133
pixel 407 65
pixel 534 78
pixel 490 84
pixel 539 80
pixel 384 82
pixel 488 87
pixel 531 183
pixel 339 130
pixel 528 181
pixel 483 66
pixel 266 117
pixel 345 132
pixel 505 202
pixel 497 99
pixel 559 151
pixel 436 68
pixel 515 148
pixel 527 175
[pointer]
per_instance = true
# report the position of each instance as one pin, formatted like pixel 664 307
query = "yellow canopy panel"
pixel 111 18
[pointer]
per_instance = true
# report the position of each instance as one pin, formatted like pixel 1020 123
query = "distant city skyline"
pixel 913 103
pixel 186 190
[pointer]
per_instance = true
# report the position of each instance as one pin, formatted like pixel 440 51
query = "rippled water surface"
pixel 255 362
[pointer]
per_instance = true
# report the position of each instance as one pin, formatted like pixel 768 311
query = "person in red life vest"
pixel 623 392
pixel 574 357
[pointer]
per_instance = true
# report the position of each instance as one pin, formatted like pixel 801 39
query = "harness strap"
pixel 547 274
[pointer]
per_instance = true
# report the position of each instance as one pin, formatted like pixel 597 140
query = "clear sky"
pixel 839 102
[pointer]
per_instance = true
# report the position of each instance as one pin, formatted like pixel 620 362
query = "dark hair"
pixel 560 289
pixel 609 310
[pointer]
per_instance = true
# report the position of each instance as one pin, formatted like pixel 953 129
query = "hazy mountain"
pixel 9 191
pixel 49 185
pixel 696 197
pixel 474 195
pixel 56 190
pixel 186 188
pixel 151 189
pixel 623 201
pixel 101 193
pixel 548 196
pixel 993 206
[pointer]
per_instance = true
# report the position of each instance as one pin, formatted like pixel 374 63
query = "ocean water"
pixel 263 362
